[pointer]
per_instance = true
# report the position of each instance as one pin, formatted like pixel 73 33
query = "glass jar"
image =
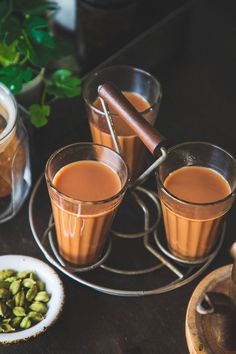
pixel 15 173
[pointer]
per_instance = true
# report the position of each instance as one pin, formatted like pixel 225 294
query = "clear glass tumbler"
pixel 192 229
pixel 82 227
pixel 15 173
pixel 146 99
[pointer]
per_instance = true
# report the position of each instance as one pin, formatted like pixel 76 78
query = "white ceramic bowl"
pixel 53 285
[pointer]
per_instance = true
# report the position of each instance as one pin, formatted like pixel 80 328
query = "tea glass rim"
pixel 90 79
pixel 185 202
pixel 78 201
pixel 5 134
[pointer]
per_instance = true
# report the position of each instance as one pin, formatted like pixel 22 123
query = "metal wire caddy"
pixel 182 270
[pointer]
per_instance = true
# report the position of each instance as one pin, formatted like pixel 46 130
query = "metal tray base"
pixel 171 272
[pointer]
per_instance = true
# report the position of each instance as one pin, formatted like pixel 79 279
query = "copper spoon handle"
pixel 121 106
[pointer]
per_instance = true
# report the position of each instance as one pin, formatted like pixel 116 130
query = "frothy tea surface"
pixel 87 181
pixel 197 184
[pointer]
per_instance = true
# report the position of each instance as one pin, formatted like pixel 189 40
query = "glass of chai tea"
pixel 143 91
pixel 196 185
pixel 86 183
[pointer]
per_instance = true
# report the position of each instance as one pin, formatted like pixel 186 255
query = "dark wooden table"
pixel 194 57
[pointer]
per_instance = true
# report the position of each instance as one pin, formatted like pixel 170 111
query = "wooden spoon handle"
pixel 121 106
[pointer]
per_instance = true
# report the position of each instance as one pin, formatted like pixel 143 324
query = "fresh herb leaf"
pixel 39 115
pixel 37 28
pixel 38 57
pixel 38 54
pixel 64 84
pixel 8 54
pixel 14 77
pixel 26 46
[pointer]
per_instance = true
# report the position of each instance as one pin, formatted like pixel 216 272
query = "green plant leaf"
pixel 37 28
pixel 36 45
pixel 14 77
pixel 39 115
pixel 36 55
pixel 9 53
pixel 64 84
pixel 39 56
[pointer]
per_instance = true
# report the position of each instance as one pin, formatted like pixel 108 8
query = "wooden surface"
pixel 195 63
pixel 199 329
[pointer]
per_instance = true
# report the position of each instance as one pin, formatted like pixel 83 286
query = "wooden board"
pixel 199 329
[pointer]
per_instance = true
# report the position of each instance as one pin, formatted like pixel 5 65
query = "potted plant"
pixel 27 48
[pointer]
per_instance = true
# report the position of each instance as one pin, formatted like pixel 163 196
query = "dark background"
pixel 192 52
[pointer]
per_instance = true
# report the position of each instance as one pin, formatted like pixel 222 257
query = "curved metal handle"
pixel 120 105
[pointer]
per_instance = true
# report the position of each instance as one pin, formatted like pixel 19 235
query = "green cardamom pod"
pixel 20 298
pixel 35 316
pixel 40 285
pixel 31 293
pixel 15 321
pixel 33 276
pixel 15 286
pixel 4 293
pixel 6 328
pixel 22 275
pixel 19 311
pixel 23 300
pixel 38 306
pixel 25 323
pixel 42 296
pixel 10 303
pixel 6 320
pixel 6 273
pixel 11 279
pixel 4 284
pixel 28 283
pixel 3 309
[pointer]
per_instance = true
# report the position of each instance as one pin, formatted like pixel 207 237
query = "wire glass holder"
pixel 184 271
